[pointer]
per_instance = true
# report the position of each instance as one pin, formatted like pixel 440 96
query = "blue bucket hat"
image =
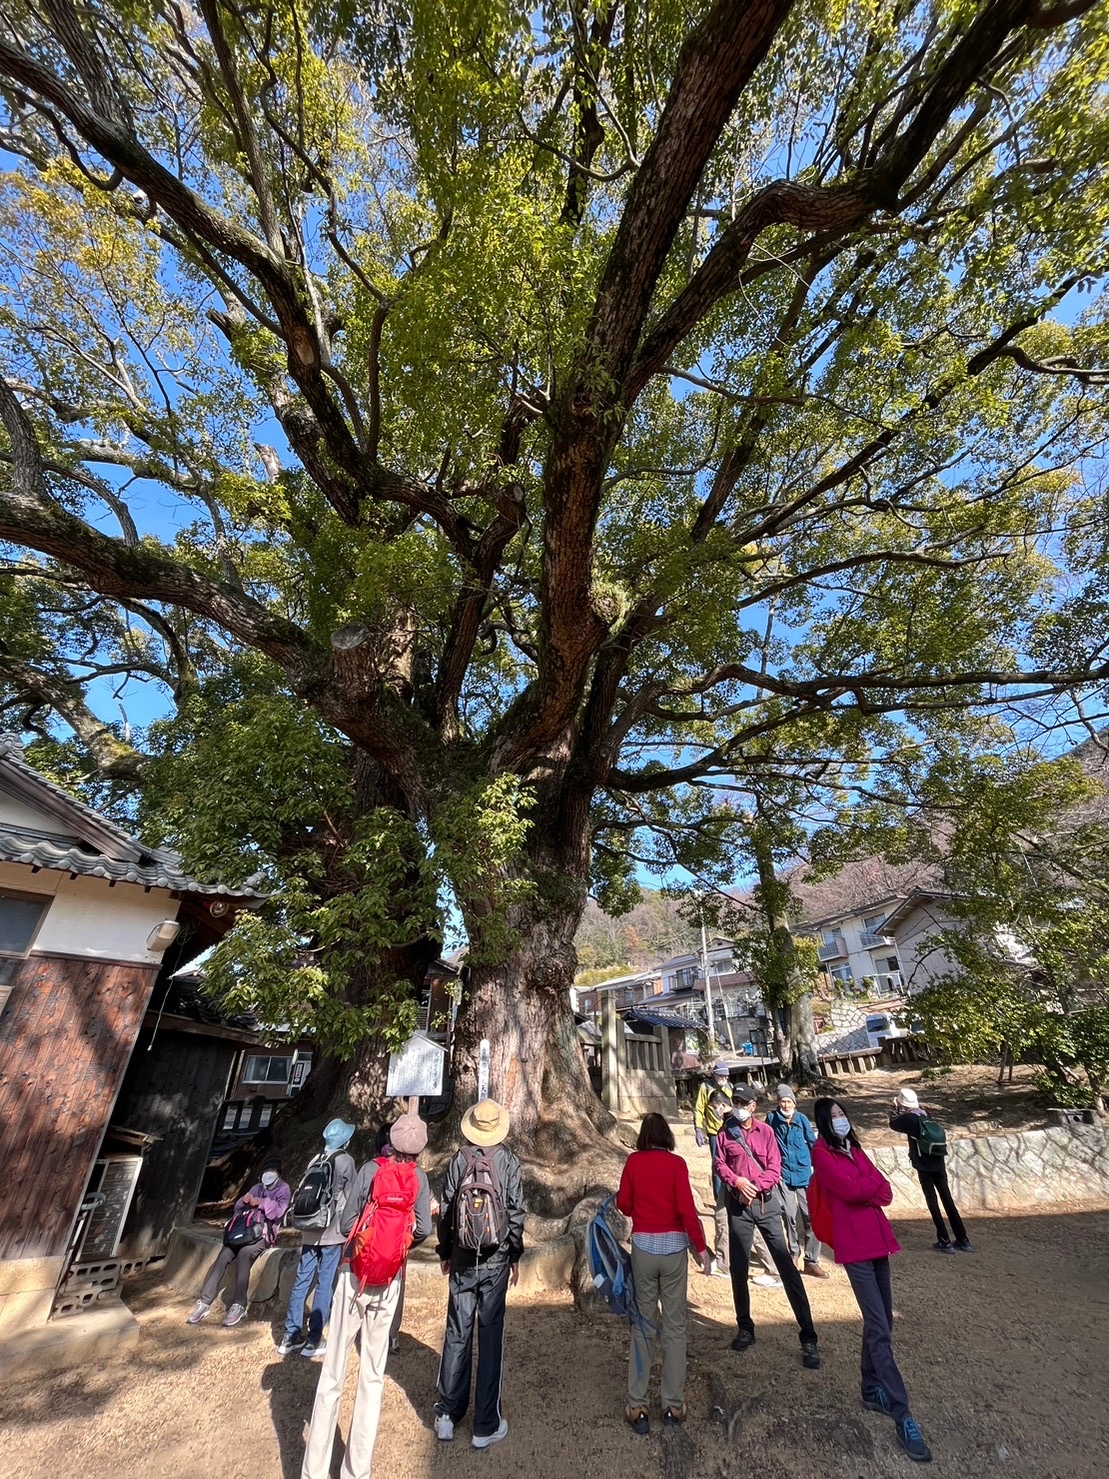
pixel 336 1134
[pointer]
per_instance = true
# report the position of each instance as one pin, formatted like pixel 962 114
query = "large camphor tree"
pixel 520 441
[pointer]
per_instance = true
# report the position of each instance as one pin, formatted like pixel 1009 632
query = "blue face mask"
pixel 841 1126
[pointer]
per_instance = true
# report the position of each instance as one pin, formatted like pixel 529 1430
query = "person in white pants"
pixel 370 1312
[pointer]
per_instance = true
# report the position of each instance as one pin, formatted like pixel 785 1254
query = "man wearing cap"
pixel 748 1162
pixel 931 1172
pixel 368 1311
pixel 320 1248
pixel 796 1138
pixel 479 1278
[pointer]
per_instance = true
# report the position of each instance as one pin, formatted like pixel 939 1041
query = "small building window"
pixel 260 1070
pixel 20 917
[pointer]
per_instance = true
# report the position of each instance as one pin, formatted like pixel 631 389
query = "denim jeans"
pixel 321 1264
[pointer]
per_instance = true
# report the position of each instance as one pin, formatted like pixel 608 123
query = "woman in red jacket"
pixel 656 1195
pixel 854 1192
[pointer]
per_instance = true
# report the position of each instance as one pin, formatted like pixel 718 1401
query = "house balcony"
pixel 832 950
pixel 872 941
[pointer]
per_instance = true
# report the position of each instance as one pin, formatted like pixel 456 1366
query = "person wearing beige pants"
pixel 661 1279
pixel 372 1313
pixel 655 1193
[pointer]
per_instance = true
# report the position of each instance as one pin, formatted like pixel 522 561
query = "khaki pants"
pixel 371 1312
pixel 660 1279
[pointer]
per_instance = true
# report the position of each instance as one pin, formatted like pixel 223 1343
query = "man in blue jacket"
pixel 796 1138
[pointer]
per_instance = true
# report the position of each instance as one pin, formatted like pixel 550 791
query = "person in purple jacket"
pixel 747 1160
pixel 270 1196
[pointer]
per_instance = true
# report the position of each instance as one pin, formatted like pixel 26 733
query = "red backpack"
pixel 380 1239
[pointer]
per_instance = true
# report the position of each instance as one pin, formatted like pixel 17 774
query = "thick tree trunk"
pixel 804 1063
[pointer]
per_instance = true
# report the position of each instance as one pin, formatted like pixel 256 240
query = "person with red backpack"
pixel 387 1212
pixel 481 1238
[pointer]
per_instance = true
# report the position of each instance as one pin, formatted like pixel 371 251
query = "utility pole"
pixel 705 973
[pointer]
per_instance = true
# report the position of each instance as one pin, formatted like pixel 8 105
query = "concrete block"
pixel 192 1251
pixel 107 1332
pixel 548 1265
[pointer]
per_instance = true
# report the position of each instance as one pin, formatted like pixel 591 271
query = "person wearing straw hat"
pixel 481 1238
pixel 366 1310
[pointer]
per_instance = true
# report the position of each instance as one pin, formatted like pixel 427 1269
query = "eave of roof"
pixel 21 846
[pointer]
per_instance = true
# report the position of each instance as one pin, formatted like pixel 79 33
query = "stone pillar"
pixel 611 1032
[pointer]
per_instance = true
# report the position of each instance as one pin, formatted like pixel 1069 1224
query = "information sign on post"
pixel 417 1070
pixel 483 1070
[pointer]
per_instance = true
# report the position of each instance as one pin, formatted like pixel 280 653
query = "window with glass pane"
pixel 19 919
pixel 261 1070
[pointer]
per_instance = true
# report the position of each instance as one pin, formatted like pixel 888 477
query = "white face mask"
pixel 268 1178
pixel 787 1109
pixel 722 1082
pixel 743 1115
pixel 841 1126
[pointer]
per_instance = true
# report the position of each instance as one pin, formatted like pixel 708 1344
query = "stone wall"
pixel 1010 1173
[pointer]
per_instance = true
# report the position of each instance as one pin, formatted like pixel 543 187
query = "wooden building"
pixel 90 919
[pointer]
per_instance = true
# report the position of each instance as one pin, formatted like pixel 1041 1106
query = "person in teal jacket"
pixel 796 1138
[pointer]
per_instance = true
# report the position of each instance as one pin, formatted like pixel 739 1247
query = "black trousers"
pixel 764 1213
pixel 477 1297
pixel 933 1183
pixel 870 1281
pixel 241 1261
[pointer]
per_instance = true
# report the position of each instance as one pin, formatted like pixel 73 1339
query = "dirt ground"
pixel 1004 1352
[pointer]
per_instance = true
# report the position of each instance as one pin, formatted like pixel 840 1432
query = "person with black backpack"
pixel 481 1238
pixel 315 1210
pixel 927 1156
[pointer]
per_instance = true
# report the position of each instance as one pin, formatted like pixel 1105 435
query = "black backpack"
pixel 480 1219
pixel 313 1204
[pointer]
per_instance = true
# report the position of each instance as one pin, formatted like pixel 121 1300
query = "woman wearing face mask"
pixel 854 1192
pixel 268 1198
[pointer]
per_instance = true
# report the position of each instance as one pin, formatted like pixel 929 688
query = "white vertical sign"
pixel 483 1070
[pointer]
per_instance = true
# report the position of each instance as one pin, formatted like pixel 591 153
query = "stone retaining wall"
pixel 1010 1173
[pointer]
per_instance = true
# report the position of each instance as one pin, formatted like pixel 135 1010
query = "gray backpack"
pixel 480 1219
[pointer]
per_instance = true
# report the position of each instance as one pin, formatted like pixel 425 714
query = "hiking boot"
pixel 964 1245
pixel 766 1281
pixel 673 1417
pixel 235 1316
pixel 943 1246
pixel 315 1351
pixel 490 1438
pixel 444 1427
pixel 198 1312
pixel 717 1270
pixel 743 1341
pixel 637 1419
pixel 877 1399
pixel 810 1358
pixel 815 1271
pixel 290 1344
pixel 912 1441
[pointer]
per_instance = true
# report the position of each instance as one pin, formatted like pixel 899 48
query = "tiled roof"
pixel 20 845
pixel 104 850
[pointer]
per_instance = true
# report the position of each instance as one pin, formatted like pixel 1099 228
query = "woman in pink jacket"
pixel 854 1192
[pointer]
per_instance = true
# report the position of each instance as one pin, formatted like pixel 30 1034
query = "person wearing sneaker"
pixel 481 1239
pixel 365 1311
pixel 853 1192
pixel 320 1246
pixel 748 1160
pixel 931 1170
pixel 711 1109
pixel 796 1138
pixel 655 1193
pixel 265 1204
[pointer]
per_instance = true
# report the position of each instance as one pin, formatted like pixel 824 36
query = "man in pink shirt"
pixel 749 1163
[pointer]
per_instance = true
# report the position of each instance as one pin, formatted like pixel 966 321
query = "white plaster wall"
pixel 89 917
pixel 921 961
pixel 17 813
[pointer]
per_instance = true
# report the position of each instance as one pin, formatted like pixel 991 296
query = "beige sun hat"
pixel 485 1123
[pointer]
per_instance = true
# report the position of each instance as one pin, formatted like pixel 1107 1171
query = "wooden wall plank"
pixel 65 1039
